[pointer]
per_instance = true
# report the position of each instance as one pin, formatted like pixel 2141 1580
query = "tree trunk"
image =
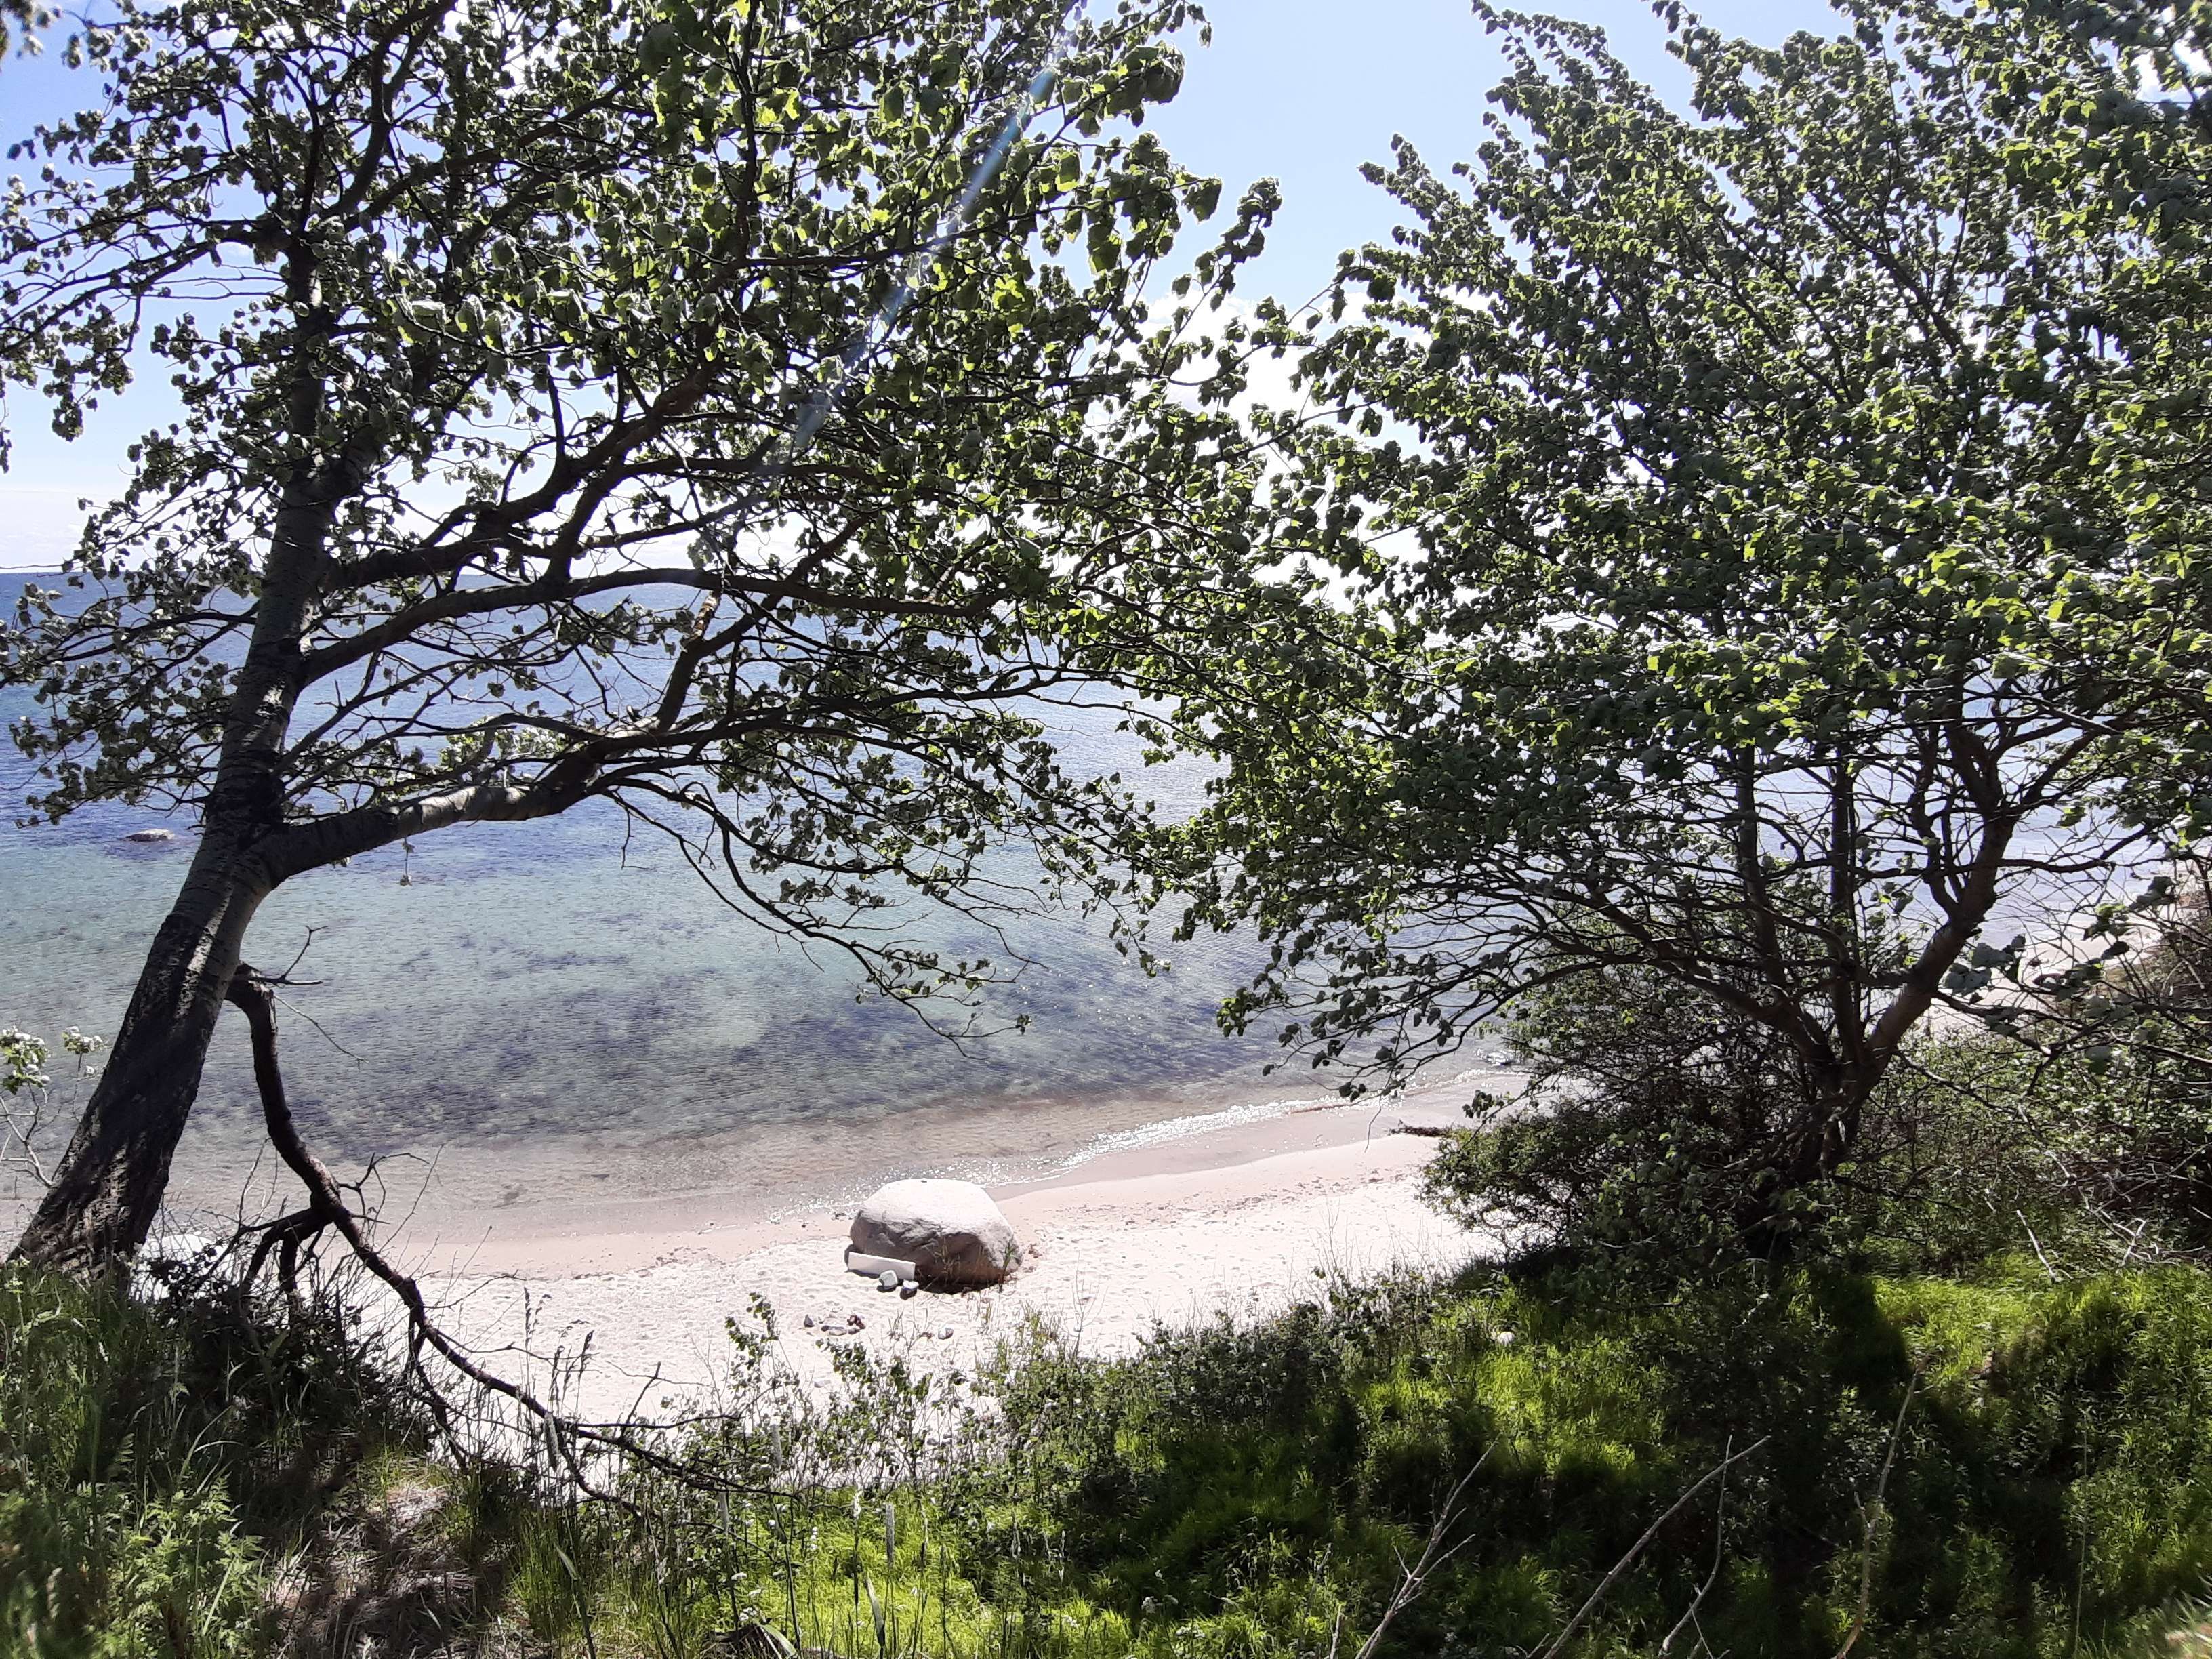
pixel 108 1189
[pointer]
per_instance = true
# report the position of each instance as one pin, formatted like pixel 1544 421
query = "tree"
pixel 744 413
pixel 1786 524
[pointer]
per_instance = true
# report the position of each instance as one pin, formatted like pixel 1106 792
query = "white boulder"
pixel 151 835
pixel 951 1231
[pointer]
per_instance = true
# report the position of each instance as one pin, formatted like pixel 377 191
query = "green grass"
pixel 156 1461
pixel 2057 1461
pixel 167 1469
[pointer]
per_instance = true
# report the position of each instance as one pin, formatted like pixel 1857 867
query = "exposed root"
pixel 326 1209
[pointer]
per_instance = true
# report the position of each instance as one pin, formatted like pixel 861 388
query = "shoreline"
pixel 1239 1220
pixel 542 1187
pixel 574 1235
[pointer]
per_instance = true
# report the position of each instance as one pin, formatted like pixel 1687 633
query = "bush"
pixel 1659 1127
pixel 158 1458
pixel 1664 1133
pixel 2111 1059
pixel 178 1477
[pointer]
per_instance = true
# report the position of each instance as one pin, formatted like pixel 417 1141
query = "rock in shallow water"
pixel 951 1231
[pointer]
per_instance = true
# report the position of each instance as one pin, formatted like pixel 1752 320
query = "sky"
pixel 1302 91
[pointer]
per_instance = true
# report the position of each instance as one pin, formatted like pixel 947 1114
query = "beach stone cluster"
pixel 951 1231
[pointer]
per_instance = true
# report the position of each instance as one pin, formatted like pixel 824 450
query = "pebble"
pixel 887 1280
pixel 908 1289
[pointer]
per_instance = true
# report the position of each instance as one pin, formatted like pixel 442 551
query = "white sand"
pixel 1243 1220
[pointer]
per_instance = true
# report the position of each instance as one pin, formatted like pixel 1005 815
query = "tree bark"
pixel 109 1186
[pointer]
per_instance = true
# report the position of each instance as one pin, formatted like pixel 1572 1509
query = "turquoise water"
pixel 543 996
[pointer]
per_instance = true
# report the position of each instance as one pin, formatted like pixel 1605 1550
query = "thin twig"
pixel 2050 1270
pixel 1870 1517
pixel 1433 1555
pixel 306 945
pixel 1619 1567
pixel 1719 1537
pixel 24 1124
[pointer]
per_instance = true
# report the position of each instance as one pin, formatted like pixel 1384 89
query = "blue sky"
pixel 1307 90
pixel 1301 90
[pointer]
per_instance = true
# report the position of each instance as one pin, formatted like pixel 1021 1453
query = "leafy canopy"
pixel 1786 524
pixel 745 412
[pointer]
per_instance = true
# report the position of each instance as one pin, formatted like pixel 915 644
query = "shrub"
pixel 1662 1134
pixel 1659 1126
pixel 1231 1493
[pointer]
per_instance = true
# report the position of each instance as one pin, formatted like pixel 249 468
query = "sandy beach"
pixel 1242 1219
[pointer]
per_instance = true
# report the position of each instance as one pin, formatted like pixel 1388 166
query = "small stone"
pixel 1505 1338
pixel 908 1289
pixel 946 1335
pixel 810 1322
pixel 887 1280
pixel 858 1323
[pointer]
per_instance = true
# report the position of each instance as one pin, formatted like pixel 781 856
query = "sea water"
pixel 557 1013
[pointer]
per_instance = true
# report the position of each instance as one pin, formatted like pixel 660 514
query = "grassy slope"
pixel 2058 1454
pixel 165 1475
